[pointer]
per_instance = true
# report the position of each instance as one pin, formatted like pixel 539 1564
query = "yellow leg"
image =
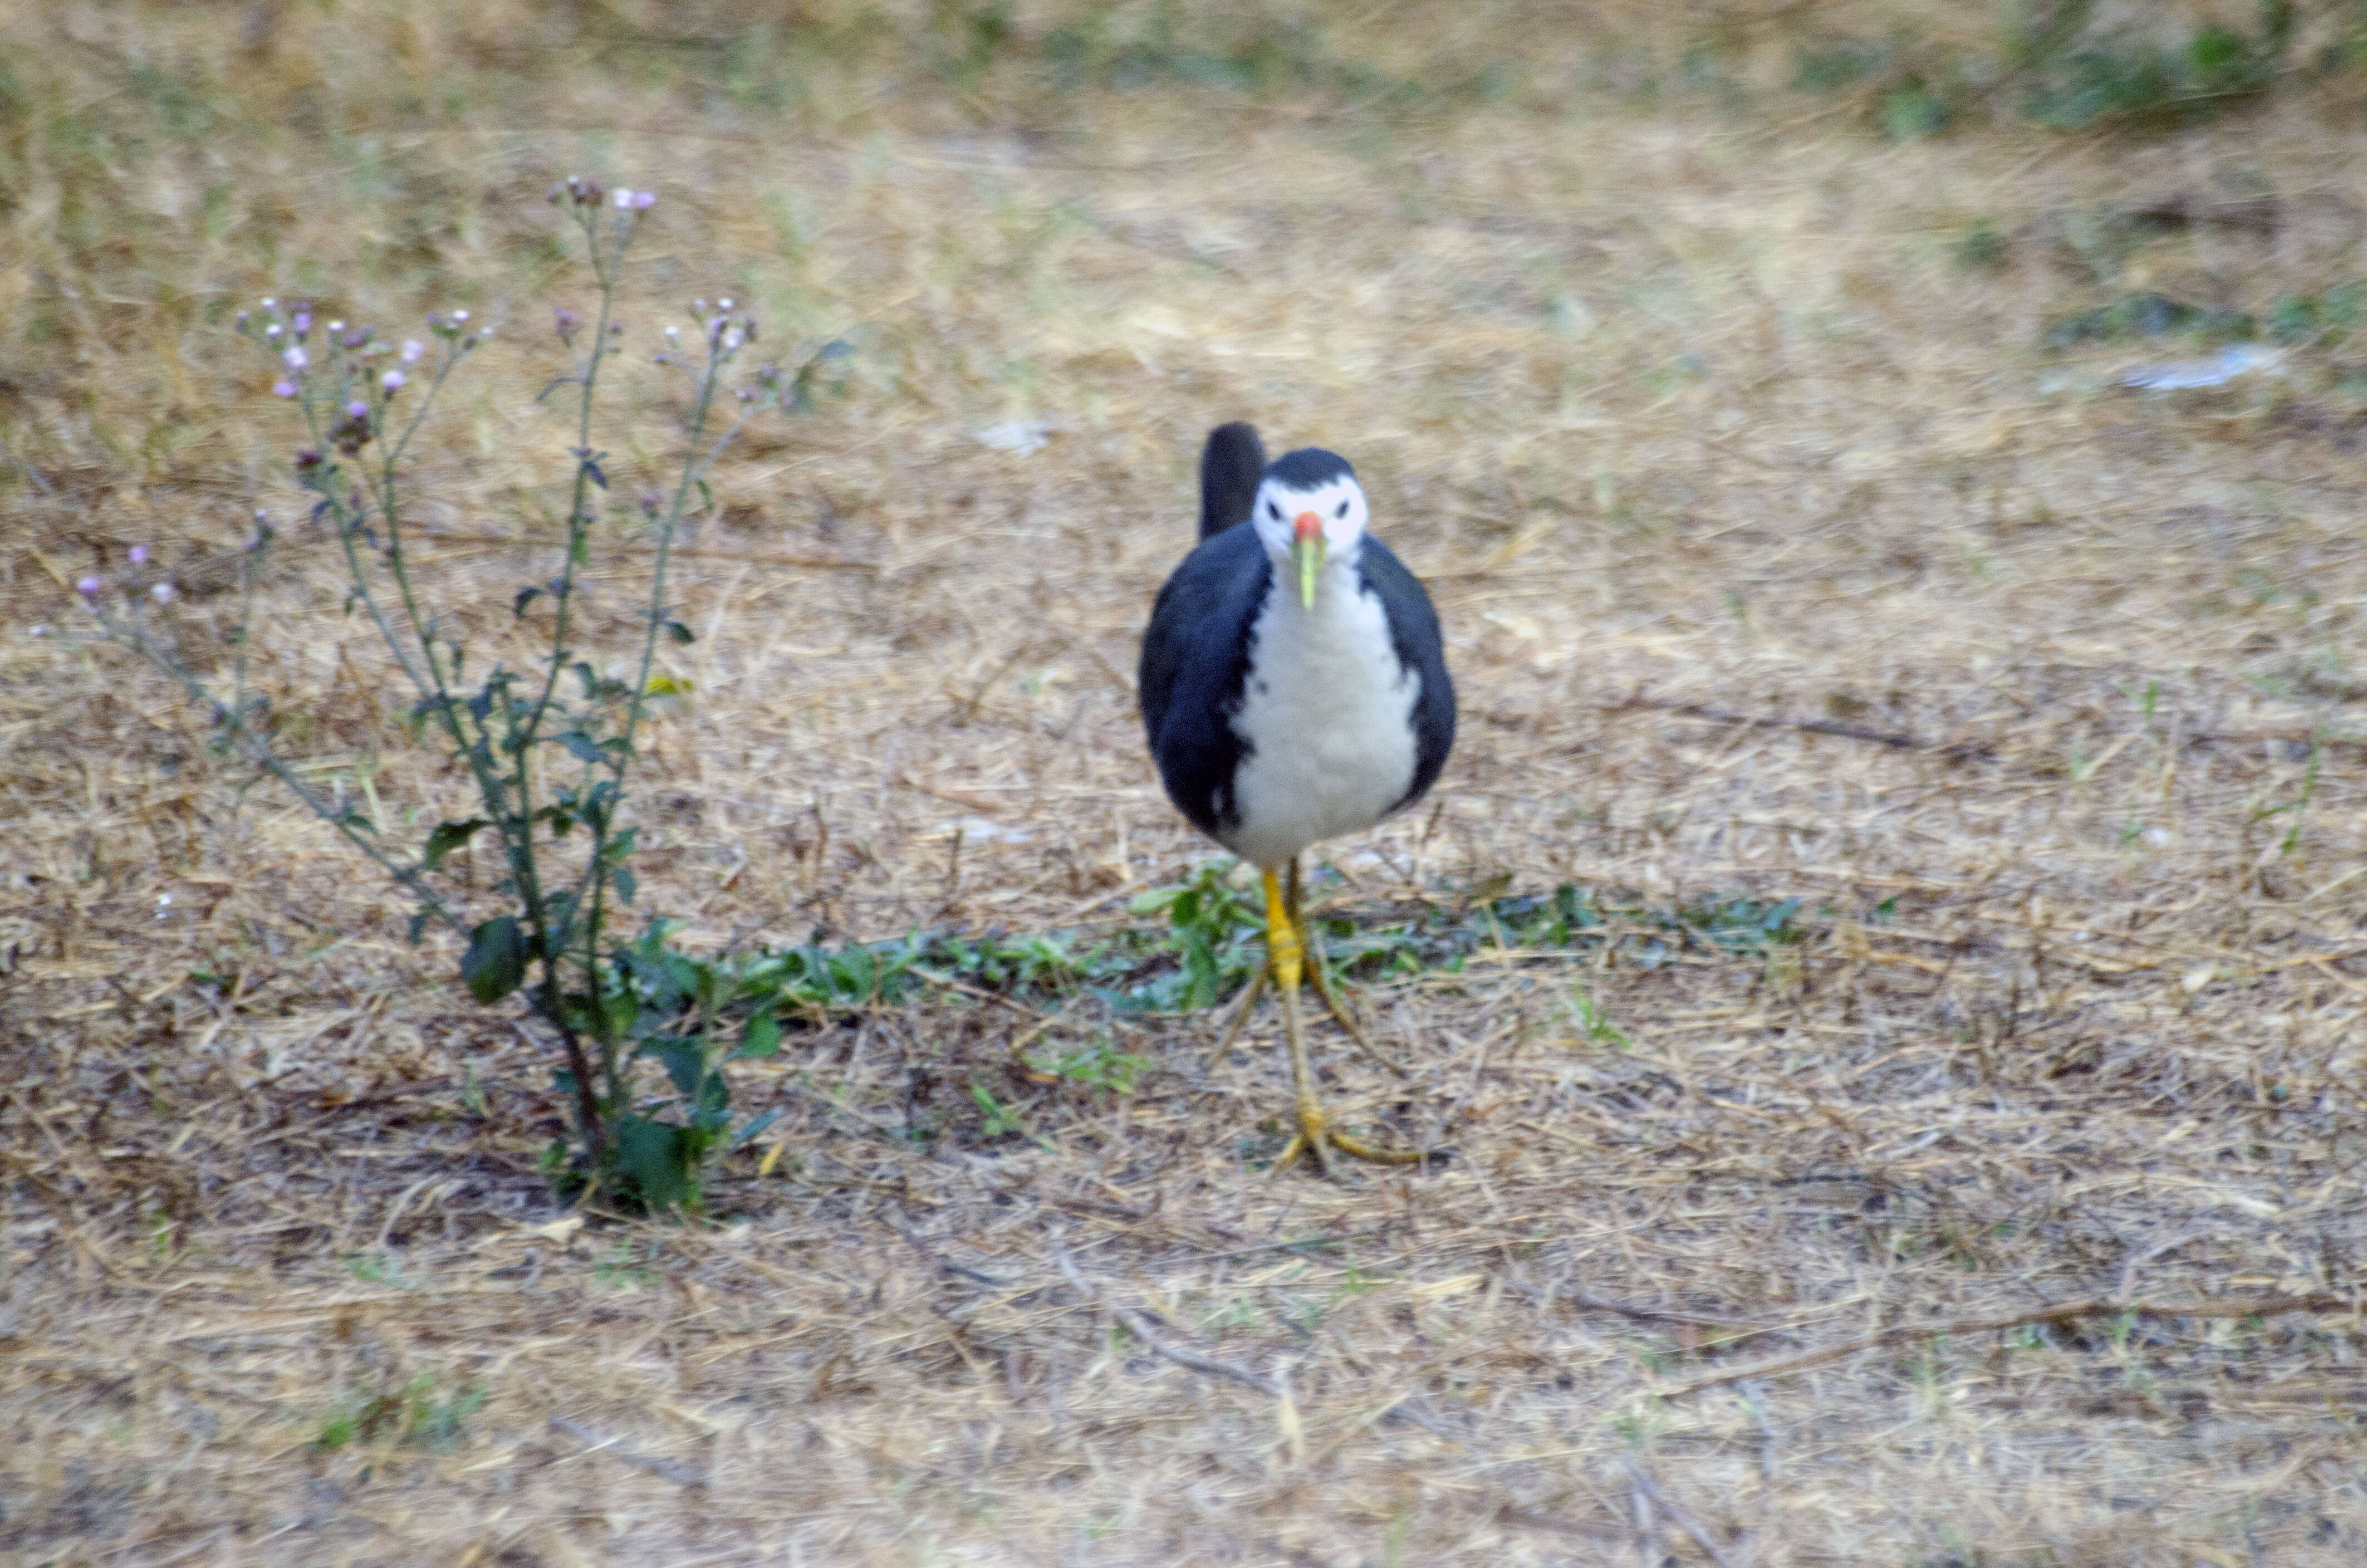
pixel 1288 957
pixel 1319 972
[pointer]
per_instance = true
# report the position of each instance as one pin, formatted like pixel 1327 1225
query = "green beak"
pixel 1307 554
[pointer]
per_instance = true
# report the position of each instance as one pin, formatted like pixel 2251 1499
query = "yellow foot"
pixel 1283 943
pixel 1316 1134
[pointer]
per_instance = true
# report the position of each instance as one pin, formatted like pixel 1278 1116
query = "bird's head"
pixel 1311 510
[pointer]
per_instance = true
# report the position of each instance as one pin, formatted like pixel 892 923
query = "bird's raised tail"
pixel 1231 466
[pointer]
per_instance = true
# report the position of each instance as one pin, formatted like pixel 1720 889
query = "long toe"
pixel 1374 1152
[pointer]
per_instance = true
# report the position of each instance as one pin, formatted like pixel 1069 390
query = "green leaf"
pixel 686 1062
pixel 583 747
pixel 625 883
pixel 762 1039
pixel 525 597
pixel 679 632
pixel 705 496
pixel 754 1126
pixel 655 1157
pixel 494 964
pixel 448 836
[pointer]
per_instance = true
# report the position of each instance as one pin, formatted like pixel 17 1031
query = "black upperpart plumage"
pixel 1231 465
pixel 1307 469
pixel 1196 663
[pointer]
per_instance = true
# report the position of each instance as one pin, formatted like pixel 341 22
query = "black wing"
pixel 1413 627
pixel 1195 661
pixel 1231 465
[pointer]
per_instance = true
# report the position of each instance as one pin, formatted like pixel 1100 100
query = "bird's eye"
pixel 1343 511
pixel 1274 511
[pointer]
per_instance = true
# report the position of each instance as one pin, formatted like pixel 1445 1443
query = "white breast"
pixel 1328 714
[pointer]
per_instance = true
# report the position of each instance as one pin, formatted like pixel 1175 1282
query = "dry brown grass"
pixel 1685 412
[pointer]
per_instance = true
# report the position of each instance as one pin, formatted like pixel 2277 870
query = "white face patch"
pixel 1340 504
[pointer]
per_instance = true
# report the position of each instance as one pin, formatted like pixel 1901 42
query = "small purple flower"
pixel 301 323
pixel 460 316
pixel 87 587
pixel 644 200
pixel 140 555
pixel 411 351
pixel 41 630
pixel 283 388
pixel 358 410
pixel 392 381
pixel 295 358
pixel 269 303
pixel 272 331
pixel 358 337
pixel 336 326
pixel 162 592
pixel 624 198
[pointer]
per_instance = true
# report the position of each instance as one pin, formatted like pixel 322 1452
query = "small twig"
pixel 944 1265
pixel 1684 1522
pixel 2101 1306
pixel 1639 703
pixel 1594 1303
pixel 1139 1326
pixel 669 1470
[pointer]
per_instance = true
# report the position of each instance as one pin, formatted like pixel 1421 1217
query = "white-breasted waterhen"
pixel 1294 689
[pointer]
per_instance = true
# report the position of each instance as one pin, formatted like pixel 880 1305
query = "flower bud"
pixel 358 410
pixel 300 322
pixel 87 587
